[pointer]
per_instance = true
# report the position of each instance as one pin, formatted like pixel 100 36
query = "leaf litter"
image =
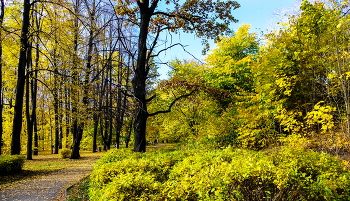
pixel 46 177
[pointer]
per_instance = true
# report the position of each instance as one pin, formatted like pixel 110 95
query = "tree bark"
pixel 57 129
pixel 29 123
pixel 139 79
pixel 94 141
pixel 75 79
pixel 77 136
pixel 127 139
pixel 34 91
pixel 56 104
pixel 18 109
pixel 2 10
pixel 121 102
pixel 34 103
pixel 68 116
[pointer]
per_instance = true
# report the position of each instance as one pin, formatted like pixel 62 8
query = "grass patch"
pixel 79 191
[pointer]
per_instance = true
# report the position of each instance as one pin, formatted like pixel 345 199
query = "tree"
pixel 229 62
pixel 308 63
pixel 21 70
pixel 190 118
pixel 2 13
pixel 206 19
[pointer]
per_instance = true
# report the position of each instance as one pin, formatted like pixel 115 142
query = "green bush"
pixel 64 153
pixel 125 175
pixel 230 174
pixel 10 164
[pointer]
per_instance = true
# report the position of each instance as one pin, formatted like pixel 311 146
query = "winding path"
pixel 50 186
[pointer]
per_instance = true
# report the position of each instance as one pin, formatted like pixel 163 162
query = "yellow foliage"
pixel 321 115
pixel 286 83
pixel 296 141
pixel 289 120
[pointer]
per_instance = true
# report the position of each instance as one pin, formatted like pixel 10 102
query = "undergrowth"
pixel 10 164
pixel 284 173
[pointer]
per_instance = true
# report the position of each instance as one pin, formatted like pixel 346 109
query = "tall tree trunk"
pixel 77 136
pixel 28 114
pixel 75 78
pixel 68 117
pixel 139 80
pixel 121 102
pixel 29 123
pixel 110 126
pixel 106 141
pixel 127 139
pixel 94 141
pixel 56 105
pixel 2 10
pixel 60 123
pixel 34 103
pixel 18 109
pixel 80 124
pixel 56 101
pixel 110 106
pixel 57 126
pixel 34 91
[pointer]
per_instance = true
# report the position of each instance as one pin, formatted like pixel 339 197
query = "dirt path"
pixel 51 185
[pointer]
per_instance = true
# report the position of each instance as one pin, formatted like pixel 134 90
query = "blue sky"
pixel 260 14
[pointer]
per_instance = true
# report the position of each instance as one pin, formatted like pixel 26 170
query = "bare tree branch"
pixel 151 98
pixel 172 104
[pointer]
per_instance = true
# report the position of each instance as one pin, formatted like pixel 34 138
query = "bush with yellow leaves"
pixel 284 173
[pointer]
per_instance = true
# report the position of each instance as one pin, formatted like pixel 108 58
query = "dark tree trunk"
pixel 77 124
pixel 2 10
pixel 120 117
pixel 34 103
pixel 68 117
pixel 57 129
pixel 18 109
pixel 101 132
pixel 56 104
pixel 127 139
pixel 94 141
pixel 77 136
pixel 60 123
pixel 28 114
pixel 34 91
pixel 110 106
pixel 121 102
pixel 139 79
pixel 106 136
pixel 110 126
pixel 29 123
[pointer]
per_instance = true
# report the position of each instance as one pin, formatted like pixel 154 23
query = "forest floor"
pixel 46 177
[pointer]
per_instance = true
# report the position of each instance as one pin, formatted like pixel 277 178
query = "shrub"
pixel 308 175
pixel 64 153
pixel 11 164
pixel 221 175
pixel 125 175
pixel 230 174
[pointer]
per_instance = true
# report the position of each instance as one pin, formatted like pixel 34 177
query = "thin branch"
pixel 172 104
pixel 151 98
